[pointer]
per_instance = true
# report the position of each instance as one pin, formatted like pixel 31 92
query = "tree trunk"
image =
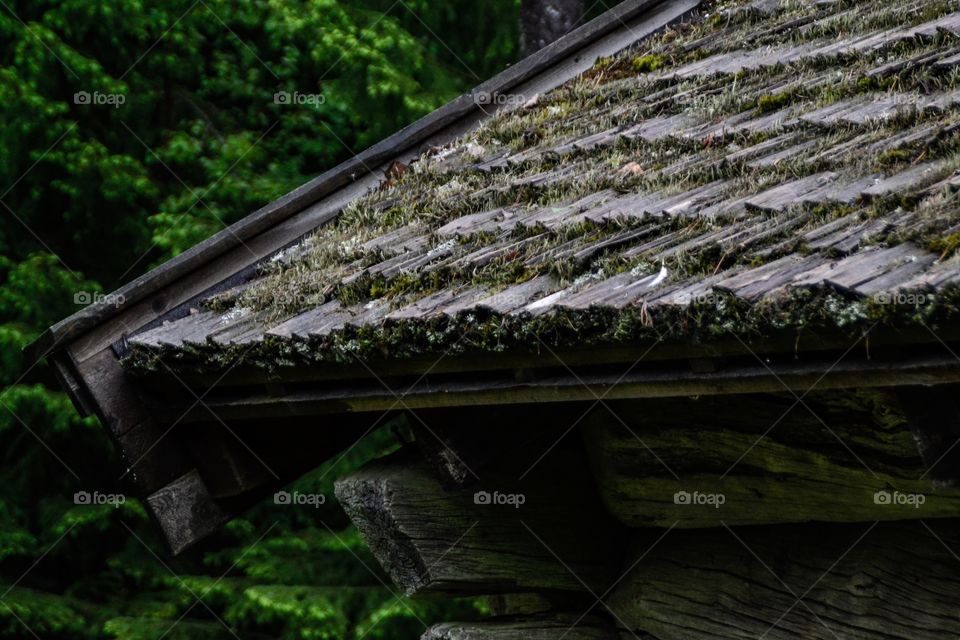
pixel 543 21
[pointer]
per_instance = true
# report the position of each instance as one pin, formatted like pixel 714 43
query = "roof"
pixel 317 201
pixel 195 474
pixel 774 166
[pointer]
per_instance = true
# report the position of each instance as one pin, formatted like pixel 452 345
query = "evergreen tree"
pixel 131 130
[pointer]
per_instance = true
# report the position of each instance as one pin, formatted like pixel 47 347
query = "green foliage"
pixel 131 131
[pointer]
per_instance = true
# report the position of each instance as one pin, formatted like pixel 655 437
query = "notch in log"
pixel 547 532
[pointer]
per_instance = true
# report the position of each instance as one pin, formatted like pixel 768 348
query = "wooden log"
pixel 752 459
pixel 551 627
pixel 546 532
pixel 151 459
pixel 736 378
pixel 864 581
pixel 185 511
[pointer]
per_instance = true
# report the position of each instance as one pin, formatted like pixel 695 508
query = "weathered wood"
pixel 549 627
pixel 839 456
pixel 552 386
pixel 151 460
pixel 811 342
pixel 185 511
pixel 499 536
pixel 884 582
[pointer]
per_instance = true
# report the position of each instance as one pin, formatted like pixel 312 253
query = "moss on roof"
pixel 720 112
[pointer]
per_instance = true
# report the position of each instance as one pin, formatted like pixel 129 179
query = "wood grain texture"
pixel 751 459
pixel 884 582
pixel 429 539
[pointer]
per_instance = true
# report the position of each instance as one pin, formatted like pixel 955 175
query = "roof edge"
pixel 341 175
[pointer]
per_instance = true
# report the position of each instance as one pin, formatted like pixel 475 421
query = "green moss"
pixel 946 246
pixel 647 63
pixel 436 191
pixel 894 157
pixel 773 102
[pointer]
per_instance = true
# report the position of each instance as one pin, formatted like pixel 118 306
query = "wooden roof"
pixel 194 479
pixel 773 166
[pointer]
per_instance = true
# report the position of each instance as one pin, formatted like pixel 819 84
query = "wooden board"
pixel 892 581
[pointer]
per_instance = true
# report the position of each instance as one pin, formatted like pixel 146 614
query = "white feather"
pixel 660 277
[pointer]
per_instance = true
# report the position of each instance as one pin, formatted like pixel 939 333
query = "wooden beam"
pixel 819 582
pixel 746 376
pixel 152 459
pixel 500 536
pixel 751 459
pixel 185 511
